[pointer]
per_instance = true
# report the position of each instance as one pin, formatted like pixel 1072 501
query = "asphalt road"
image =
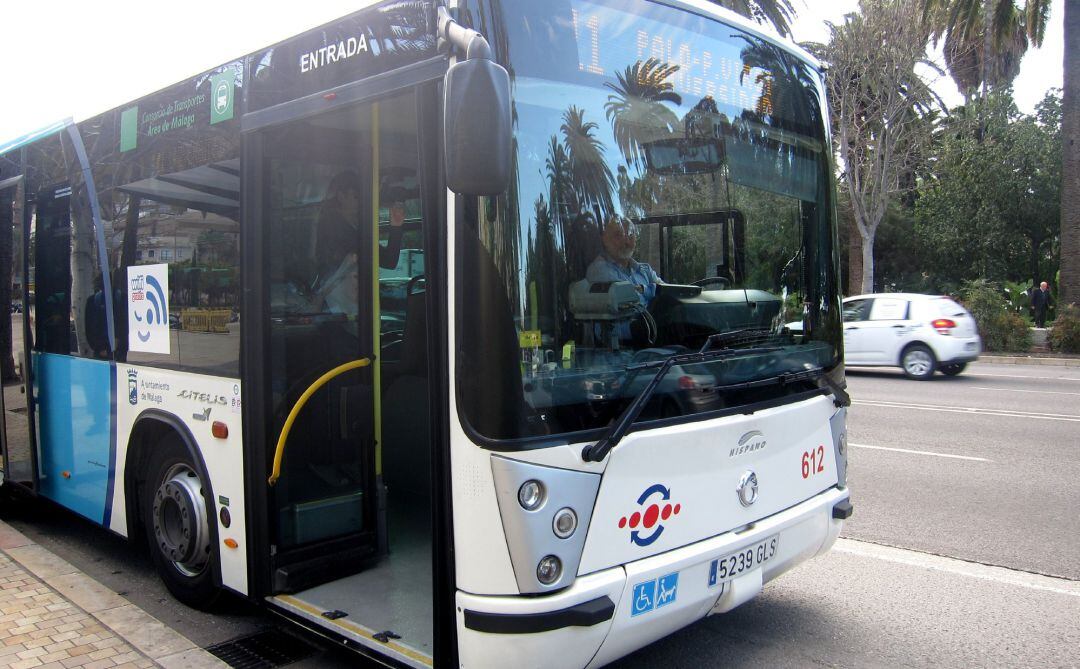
pixel 964 548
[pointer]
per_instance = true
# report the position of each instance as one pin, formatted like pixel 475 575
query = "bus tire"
pixel 177 524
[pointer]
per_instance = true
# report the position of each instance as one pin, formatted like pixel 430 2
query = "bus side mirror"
pixel 476 127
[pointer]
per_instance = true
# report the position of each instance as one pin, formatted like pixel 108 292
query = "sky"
pixel 66 59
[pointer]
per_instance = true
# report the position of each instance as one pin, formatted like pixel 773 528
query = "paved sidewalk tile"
pixel 40 628
pixel 52 616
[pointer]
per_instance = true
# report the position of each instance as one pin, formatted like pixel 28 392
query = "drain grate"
pixel 262 650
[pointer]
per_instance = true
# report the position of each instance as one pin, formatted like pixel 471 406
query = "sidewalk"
pixel 1030 359
pixel 53 616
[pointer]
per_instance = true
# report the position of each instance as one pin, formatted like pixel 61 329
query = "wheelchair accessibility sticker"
pixel 654 594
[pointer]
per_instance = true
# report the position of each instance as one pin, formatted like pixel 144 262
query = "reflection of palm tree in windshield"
pixel 589 172
pixel 561 189
pixel 636 109
pixel 787 84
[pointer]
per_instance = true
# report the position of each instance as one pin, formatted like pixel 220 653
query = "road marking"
pixel 1072 418
pixel 1023 376
pixel 907 450
pixel 948 565
pixel 1015 390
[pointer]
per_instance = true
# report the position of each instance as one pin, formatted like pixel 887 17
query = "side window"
pixel 856 310
pixel 68 284
pixel 889 309
pixel 196 236
pixel 51 243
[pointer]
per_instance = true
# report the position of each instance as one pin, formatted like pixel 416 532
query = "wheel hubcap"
pixel 181 530
pixel 917 363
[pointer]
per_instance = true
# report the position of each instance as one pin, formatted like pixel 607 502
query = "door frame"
pixel 23 252
pixel 25 355
pixel 425 79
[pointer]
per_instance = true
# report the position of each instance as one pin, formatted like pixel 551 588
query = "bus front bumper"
pixel 595 621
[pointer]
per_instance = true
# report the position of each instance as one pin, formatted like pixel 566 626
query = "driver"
pixel 616 262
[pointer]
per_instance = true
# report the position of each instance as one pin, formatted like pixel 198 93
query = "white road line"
pixel 1023 376
pixel 947 565
pixel 1016 390
pixel 1072 418
pixel 907 450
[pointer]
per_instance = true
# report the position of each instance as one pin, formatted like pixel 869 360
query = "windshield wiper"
pixel 840 396
pixel 598 451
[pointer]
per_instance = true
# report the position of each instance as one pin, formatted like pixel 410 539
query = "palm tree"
pixel 636 110
pixel 1069 288
pixel 977 56
pixel 590 175
pixel 780 13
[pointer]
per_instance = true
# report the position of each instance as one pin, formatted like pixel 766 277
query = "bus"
pixel 480 333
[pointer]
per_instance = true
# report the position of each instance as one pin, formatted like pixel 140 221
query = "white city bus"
pixel 457 334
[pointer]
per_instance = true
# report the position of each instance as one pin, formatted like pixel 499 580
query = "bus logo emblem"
pixel 656 502
pixel 748 488
pixel 133 387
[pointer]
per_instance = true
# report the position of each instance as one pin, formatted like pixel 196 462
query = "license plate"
pixel 743 560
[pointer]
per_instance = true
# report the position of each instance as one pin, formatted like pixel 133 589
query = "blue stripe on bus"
pixel 107 519
pixel 75 431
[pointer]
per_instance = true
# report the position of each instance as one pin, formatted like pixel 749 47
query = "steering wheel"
pixel 721 281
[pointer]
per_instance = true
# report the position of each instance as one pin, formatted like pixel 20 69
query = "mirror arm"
pixel 454 36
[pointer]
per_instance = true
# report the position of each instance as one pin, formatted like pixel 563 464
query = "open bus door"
pixel 17 438
pixel 341 376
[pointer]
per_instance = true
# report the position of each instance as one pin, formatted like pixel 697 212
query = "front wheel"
pixel 918 362
pixel 178 527
pixel 953 369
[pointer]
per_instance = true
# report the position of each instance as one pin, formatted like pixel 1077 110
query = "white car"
pixel 918 333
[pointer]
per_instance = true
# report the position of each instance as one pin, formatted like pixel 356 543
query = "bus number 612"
pixel 813 461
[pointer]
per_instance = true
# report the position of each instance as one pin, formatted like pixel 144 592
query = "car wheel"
pixel 953 369
pixel 918 362
pixel 178 526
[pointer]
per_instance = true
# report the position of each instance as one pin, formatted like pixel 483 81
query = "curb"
pixel 147 635
pixel 1029 360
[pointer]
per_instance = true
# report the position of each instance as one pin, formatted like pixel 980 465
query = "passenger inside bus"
pixel 338 227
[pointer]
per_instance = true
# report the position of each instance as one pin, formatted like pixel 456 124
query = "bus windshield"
pixel 672 191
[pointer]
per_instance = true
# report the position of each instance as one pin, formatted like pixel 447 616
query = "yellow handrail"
pixel 279 450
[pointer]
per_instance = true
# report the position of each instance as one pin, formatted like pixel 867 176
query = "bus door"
pixel 19 461
pixel 345 379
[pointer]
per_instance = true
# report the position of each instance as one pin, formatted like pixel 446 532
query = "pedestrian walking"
pixel 1040 301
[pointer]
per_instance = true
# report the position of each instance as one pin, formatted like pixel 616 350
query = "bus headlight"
pixel 564 523
pixel 545 513
pixel 531 495
pixel 549 570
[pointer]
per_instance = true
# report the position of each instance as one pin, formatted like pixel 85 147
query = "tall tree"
pixel 1069 288
pixel 778 13
pixel 988 202
pixel 877 101
pixel 980 57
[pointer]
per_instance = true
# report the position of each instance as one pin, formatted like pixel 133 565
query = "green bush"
pixel 1001 328
pixel 1019 300
pixel 1064 332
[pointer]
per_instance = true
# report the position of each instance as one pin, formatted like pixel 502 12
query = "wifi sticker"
pixel 148 308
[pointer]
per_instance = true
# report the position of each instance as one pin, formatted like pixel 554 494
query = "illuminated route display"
pixel 608 40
